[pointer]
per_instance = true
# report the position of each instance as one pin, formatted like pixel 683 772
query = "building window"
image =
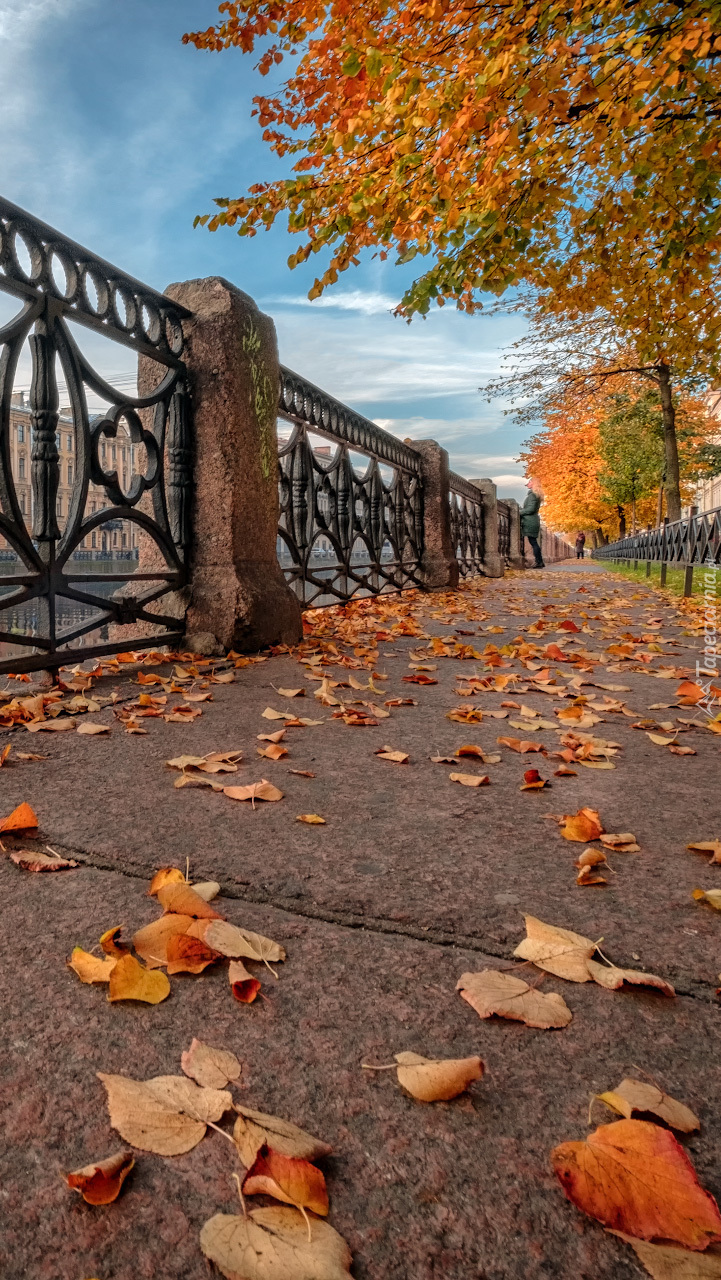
pixel 69 443
pixel 93 540
pixel 21 466
pixel 125 539
pixel 60 505
pixel 21 433
pixel 22 504
pixel 70 473
pixel 115 454
pixel 103 451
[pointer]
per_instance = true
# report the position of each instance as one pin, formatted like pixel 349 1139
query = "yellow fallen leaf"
pixel 292 693
pixel 659 740
pixel 274 1244
pixel 209 1067
pixel 556 950
pixel 669 1262
pixel 707 846
pixel 613 978
pixel 270 714
pixel 87 726
pixel 166 875
pixel 436 1079
pixel 262 790
pixel 634 1095
pixel 491 992
pixel 167 1115
pixel 90 968
pixel 388 753
pixel 624 842
pixel 470 779
pixel 313 819
pixel 712 896
pixel 237 943
pixel 256 1129
pixel 130 981
pixel 182 900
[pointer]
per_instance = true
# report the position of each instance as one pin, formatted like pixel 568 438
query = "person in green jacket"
pixel 531 521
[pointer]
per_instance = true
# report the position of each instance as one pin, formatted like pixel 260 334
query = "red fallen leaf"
pixel 189 955
pixel 553 651
pixel 290 1180
pixel 689 693
pixel 635 1177
pixel 24 818
pixel 532 781
pixel 419 679
pixel 242 984
pixel 568 625
pixel 100 1183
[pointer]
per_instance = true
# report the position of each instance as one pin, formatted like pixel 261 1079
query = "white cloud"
pixel 365 302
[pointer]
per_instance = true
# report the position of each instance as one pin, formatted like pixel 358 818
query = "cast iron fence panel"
pixel 467 528
pixel 371 523
pixel 65 282
pixel 695 540
pixel 504 529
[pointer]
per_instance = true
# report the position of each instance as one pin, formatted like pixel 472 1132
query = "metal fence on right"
pixel 683 544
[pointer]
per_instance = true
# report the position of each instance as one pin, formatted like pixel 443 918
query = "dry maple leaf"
pixel 634 1095
pixel 613 978
pixel 707 846
pixel 209 1067
pixel 712 896
pixel 256 1129
pixel 237 943
pixel 470 779
pixel 491 992
pixel 90 968
pixel 130 981
pixel 273 1244
pixel 167 1115
pixel 262 790
pixel 436 1079
pixel 242 984
pixel 23 818
pixel 668 1262
pixel 556 950
pixel 151 942
pixel 31 861
pixel 635 1177
pixel 313 819
pixel 294 1181
pixel 181 900
pixel 100 1183
pixel 582 826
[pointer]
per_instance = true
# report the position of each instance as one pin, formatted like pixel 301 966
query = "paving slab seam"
pixel 683 984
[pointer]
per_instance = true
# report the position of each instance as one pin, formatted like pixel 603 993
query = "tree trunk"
pixel 673 479
pixel 659 507
pixel 621 521
pixel 633 516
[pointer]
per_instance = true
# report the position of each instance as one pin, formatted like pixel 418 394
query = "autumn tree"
pixel 495 141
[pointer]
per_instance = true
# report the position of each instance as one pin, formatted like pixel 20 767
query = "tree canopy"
pixel 503 142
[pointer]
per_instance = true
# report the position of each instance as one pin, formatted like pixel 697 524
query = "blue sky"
pixel 118 134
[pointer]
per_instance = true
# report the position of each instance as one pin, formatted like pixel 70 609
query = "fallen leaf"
pixel 556 950
pixel 470 779
pixel 88 726
pixel 436 1079
pixel 613 978
pixel 31 861
pixel 262 790
pixel 256 1129
pixel 286 1178
pixel 238 943
pixel 270 714
pixel 272 752
pixel 100 1183
pixel 129 980
pixel 682 751
pixel 563 771
pixel 419 678
pixel 278 736
pixel 29 755
pixel 110 942
pixel 165 875
pixel 490 992
pixel 396 757
pixel 532 781
pixel 707 846
pixel 624 842
pixel 207 889
pixel 273 1244
pixel 90 968
pixel 151 942
pixel 659 740
pixel 667 1262
pixel 590 858
pixel 292 693
pixel 582 826
pixel 209 1067
pixel 635 1177
pixel 302 773
pixel 180 900
pixel 518 744
pixel 24 818
pixel 167 1115
pixel 188 955
pixel 634 1095
pixel 242 984
pixel 712 896
pixel 313 819
pixel 51 726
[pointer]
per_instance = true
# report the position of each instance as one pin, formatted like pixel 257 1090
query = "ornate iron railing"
pixel 504 529
pixel 696 540
pixel 467 527
pixel 348 526
pixel 58 281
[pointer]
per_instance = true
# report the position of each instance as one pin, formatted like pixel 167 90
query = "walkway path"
pixel 412 881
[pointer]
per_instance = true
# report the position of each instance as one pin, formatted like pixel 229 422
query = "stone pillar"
pixel 440 566
pixel 516 558
pixel 492 559
pixel 238 593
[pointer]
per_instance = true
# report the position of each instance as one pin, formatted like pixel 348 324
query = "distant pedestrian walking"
pixel 580 544
pixel 531 521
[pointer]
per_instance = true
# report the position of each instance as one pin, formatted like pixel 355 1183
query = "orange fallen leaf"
pixel 302 773
pixel 712 896
pixel 520 745
pixel 130 981
pixel 165 875
pixel 188 955
pixel 293 1181
pixel 681 751
pixel 635 1177
pixel 262 790
pixel 274 751
pixel 242 984
pixel 635 1095
pixel 24 818
pixel 151 942
pixel 110 942
pixel 707 846
pixel 182 900
pixel 563 771
pixel 466 715
pixel 90 968
pixel 313 819
pixel 419 678
pixel 505 996
pixel 470 779
pixel 100 1183
pixel 587 876
pixel 590 858
pixel 582 826
pixel 689 693
pixel 532 781
pixel 272 737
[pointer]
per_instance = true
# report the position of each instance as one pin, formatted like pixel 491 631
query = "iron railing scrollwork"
pixel 504 529
pixel 347 526
pixel 467 526
pixel 57 282
pixel 695 540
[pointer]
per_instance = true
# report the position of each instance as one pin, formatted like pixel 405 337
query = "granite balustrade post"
pixel 493 565
pixel 440 567
pixel 516 558
pixel 238 596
